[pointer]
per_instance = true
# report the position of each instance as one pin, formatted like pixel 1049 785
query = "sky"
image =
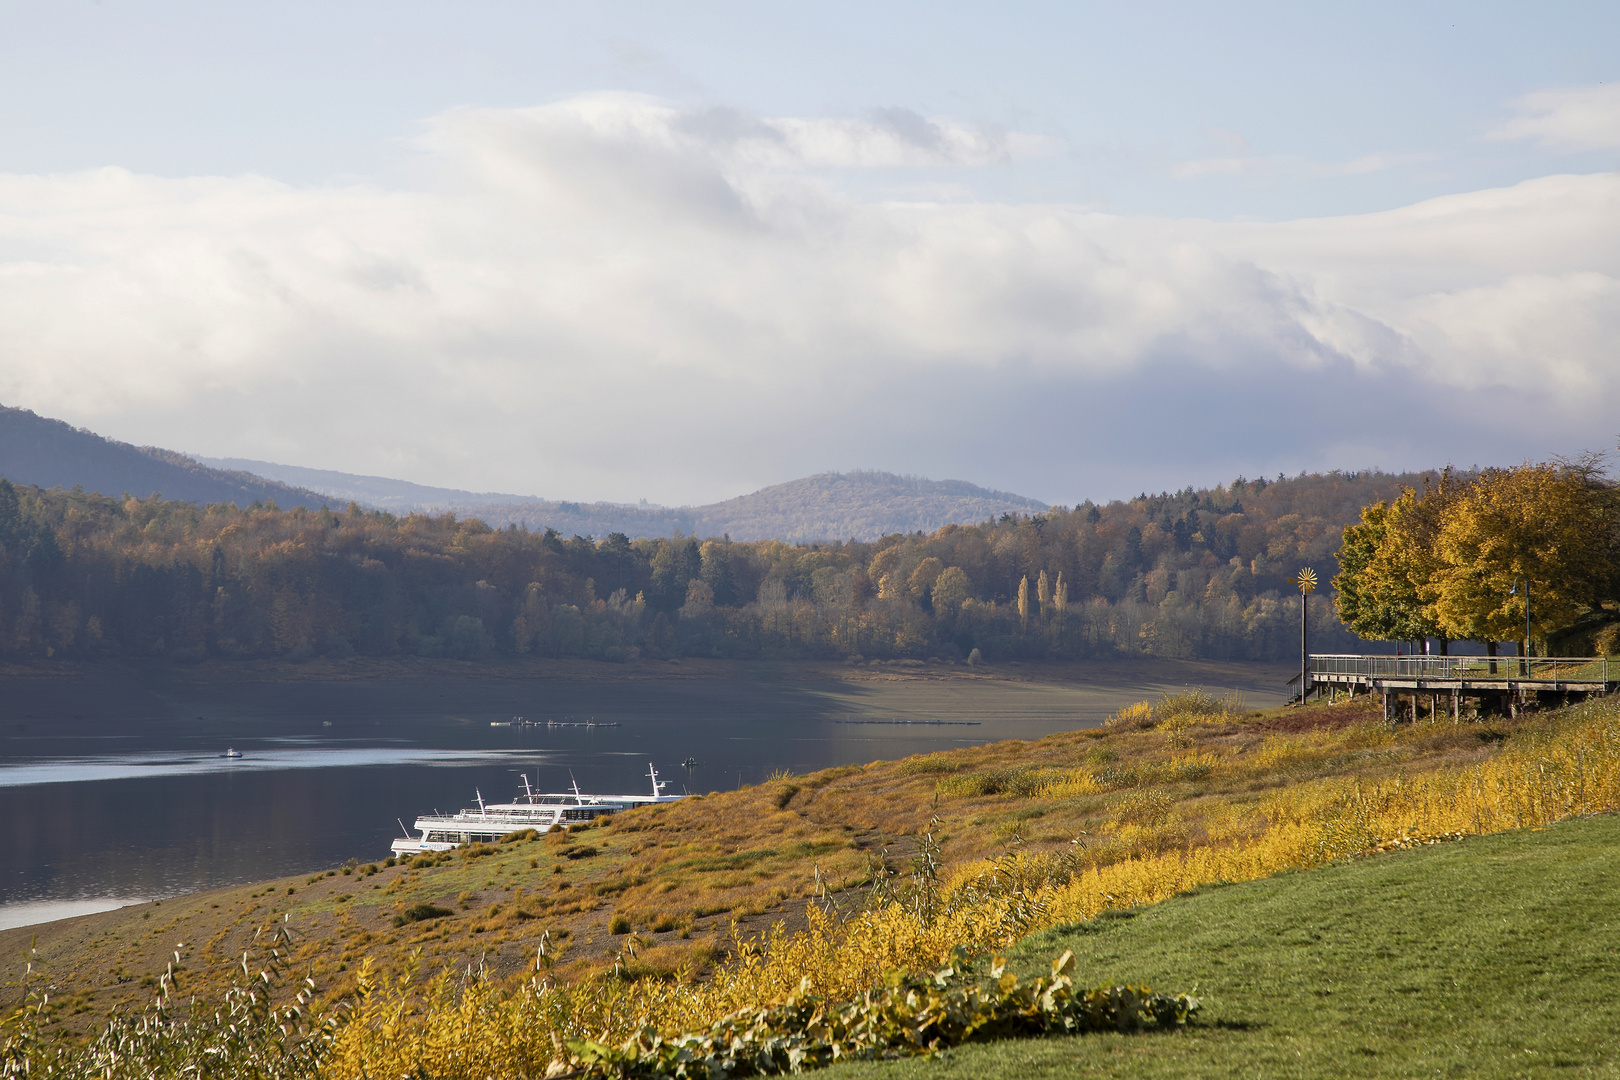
pixel 680 252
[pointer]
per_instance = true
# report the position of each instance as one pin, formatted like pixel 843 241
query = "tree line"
pixel 1194 573
pixel 1470 556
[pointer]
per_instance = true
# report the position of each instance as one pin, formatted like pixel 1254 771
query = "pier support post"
pixel 1456 707
pixel 1386 706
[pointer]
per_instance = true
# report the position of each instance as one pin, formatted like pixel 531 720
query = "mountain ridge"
pixel 860 505
pixel 49 453
pixel 378 492
pixel 829 518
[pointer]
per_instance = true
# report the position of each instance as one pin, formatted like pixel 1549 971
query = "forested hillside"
pixel 50 453
pixel 1194 573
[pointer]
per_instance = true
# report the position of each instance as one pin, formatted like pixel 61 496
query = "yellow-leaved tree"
pixel 951 589
pixel 1377 589
pixel 922 579
pixel 1551 524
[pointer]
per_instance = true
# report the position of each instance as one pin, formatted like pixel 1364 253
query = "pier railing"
pixel 1560 669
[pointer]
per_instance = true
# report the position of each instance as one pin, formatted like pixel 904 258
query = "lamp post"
pixel 1515 591
pixel 1306 580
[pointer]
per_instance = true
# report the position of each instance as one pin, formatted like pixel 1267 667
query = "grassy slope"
pixel 1494 956
pixel 682 873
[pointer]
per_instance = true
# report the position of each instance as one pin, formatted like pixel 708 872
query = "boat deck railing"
pixel 475 817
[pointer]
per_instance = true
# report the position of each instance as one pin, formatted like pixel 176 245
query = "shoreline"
pixel 55 699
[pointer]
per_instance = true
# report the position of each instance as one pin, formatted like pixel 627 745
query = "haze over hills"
pixel 51 453
pixel 828 506
pixel 378 492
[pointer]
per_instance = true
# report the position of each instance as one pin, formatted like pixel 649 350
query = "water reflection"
pixel 32 913
pixel 160 820
pixel 124 767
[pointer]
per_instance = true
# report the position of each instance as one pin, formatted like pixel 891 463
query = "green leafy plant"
pixel 248 1035
pixel 909 1015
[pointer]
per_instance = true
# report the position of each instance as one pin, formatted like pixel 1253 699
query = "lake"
pixel 113 787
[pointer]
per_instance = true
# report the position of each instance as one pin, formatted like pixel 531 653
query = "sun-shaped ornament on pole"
pixel 1305 581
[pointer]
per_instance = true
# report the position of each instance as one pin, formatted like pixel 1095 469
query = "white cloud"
pixel 1294 167
pixel 1581 118
pixel 613 297
pixel 1219 166
pixel 893 138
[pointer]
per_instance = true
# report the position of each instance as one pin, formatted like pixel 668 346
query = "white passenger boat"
pixel 488 822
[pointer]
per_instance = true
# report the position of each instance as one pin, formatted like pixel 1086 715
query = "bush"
pixel 1021 781
pixel 421 913
pixel 1178 712
pixel 618 925
pixel 266 1027
pixel 1607 642
pixel 1144 806
pixel 930 763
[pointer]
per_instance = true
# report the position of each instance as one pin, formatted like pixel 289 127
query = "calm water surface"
pixel 103 807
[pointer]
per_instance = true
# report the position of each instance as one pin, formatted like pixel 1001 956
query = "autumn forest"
pixel 1195 573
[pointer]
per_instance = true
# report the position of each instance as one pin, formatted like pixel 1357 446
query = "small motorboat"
pixel 231 752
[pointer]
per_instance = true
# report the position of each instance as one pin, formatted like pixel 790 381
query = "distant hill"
pixel 829 506
pixel 379 492
pixel 50 453
pixel 863 505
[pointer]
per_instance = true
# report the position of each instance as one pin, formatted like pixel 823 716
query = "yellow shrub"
pixel 1069 785
pixel 1139 713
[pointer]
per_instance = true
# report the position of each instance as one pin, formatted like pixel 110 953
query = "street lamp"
pixel 1515 591
pixel 1306 580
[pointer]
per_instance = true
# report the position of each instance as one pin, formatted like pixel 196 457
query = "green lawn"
pixel 1495 956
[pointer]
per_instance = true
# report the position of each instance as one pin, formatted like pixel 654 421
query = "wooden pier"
pixel 1508 682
